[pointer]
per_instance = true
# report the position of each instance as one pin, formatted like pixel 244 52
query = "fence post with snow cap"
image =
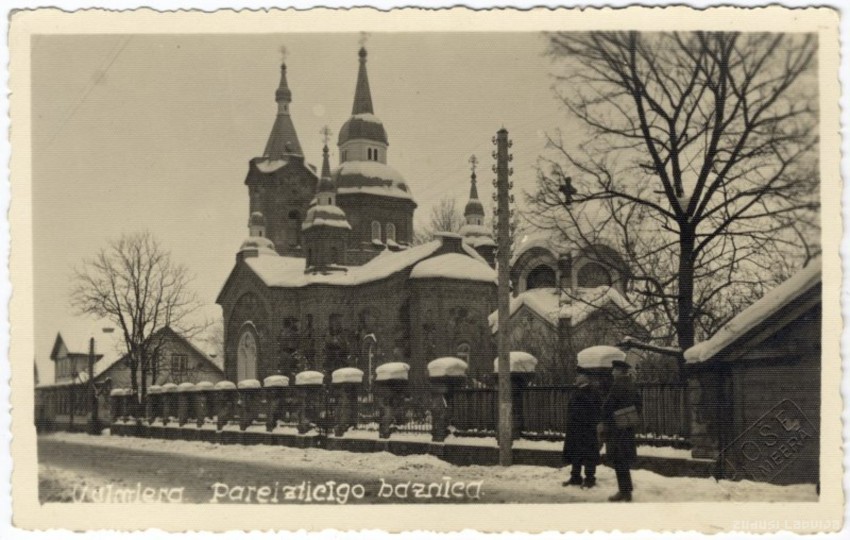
pixel 597 362
pixel 224 397
pixel 310 385
pixel 445 375
pixel 249 396
pixel 392 381
pixel 274 388
pixel 522 367
pixel 185 402
pixel 169 402
pixel 153 403
pixel 201 402
pixel 346 382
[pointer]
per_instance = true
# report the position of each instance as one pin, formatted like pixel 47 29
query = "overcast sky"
pixel 155 132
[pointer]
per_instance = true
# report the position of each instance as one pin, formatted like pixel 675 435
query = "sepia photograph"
pixel 358 266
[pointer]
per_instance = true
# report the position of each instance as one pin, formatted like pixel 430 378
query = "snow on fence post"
pixel 391 380
pixel 310 385
pixel 249 395
pixel 522 366
pixel 185 402
pixel 169 402
pixel 346 381
pixel 274 388
pixel 203 391
pixel 445 375
pixel 225 394
pixel 153 403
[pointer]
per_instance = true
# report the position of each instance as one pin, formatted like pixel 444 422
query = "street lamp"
pixel 94 421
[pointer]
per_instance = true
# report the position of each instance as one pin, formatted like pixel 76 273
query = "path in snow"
pixel 198 465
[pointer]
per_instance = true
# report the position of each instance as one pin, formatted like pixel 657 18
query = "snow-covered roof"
pixel 371 177
pixel 309 378
pixel 266 165
pixel 771 303
pixel 577 305
pixel 453 266
pixel 538 239
pixel 326 215
pixel 542 301
pixel 277 271
pixel 477 235
pixel 260 243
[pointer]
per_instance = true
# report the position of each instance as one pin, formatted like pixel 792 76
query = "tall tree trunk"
pixel 685 300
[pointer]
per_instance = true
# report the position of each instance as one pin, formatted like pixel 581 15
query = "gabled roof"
pixel 552 305
pixel 791 292
pixel 102 366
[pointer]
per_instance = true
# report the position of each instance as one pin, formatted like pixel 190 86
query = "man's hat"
pixel 620 364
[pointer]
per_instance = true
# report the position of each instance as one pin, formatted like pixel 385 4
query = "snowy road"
pixel 120 469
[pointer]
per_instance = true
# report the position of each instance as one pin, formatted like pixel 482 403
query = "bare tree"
pixel 697 161
pixel 134 283
pixel 445 217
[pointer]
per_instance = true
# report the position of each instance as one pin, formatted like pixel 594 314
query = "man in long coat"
pixel 581 442
pixel 620 442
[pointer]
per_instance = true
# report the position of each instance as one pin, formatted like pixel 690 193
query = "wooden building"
pixel 755 387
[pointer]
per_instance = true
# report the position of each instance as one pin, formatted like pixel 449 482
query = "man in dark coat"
pixel 620 442
pixel 581 442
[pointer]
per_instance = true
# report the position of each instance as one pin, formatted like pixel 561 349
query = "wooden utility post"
pixel 94 421
pixel 504 235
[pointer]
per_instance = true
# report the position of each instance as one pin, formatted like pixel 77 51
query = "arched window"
pixel 540 277
pixel 593 274
pixel 463 351
pixel 376 231
pixel 390 232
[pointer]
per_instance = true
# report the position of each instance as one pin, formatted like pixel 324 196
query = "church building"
pixel 328 276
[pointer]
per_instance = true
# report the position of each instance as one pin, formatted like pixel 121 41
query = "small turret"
pixel 325 228
pixel 474 232
pixel 283 140
pixel 257 224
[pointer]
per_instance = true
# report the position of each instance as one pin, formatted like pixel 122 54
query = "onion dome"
pixel 363 123
pixel 326 215
pixel 370 177
pixel 257 220
pixel 474 206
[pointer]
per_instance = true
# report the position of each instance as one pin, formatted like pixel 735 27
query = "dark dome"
pixel 474 207
pixel 363 126
pixel 325 185
pixel 257 219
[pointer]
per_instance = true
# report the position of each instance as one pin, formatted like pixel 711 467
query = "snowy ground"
pixel 199 465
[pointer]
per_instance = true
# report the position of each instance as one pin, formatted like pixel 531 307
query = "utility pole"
pixel 94 428
pixel 504 236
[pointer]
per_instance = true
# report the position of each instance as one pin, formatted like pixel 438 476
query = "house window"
pixel 463 352
pixel 376 231
pixel 390 232
pixel 345 155
pixel 369 154
pixel 179 364
pixel 375 154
